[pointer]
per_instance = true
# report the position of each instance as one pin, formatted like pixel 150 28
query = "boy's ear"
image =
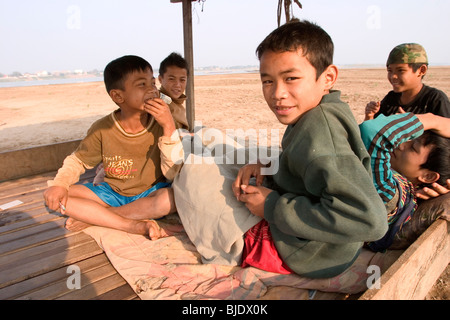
pixel 429 177
pixel 116 95
pixel 423 70
pixel 330 76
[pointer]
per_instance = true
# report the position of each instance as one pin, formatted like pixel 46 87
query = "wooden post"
pixel 189 56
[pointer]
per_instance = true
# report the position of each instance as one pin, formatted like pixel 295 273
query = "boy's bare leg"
pixel 80 191
pixel 159 229
pixel 83 205
pixel 75 225
pixel 156 205
pixel 92 213
pixel 153 229
pixel 85 208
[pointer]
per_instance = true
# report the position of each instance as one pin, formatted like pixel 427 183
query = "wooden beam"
pixel 417 269
pixel 32 161
pixel 189 56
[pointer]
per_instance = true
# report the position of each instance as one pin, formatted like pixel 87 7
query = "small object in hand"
pixel 165 98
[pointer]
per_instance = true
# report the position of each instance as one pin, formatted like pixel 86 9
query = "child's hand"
pixel 161 112
pixel 99 175
pixel 56 198
pixel 243 177
pixel 440 125
pixel 400 110
pixel 436 190
pixel 254 199
pixel 371 109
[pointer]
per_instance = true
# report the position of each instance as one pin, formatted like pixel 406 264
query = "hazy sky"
pixel 54 35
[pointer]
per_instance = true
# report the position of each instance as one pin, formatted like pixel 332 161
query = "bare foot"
pixel 75 225
pixel 157 230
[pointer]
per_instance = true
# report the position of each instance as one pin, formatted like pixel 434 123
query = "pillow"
pixel 427 212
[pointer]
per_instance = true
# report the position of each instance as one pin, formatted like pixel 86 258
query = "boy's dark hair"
pixel 315 43
pixel 416 66
pixel 117 70
pixel 173 59
pixel 439 157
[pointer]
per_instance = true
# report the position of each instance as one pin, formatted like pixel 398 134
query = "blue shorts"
pixel 113 199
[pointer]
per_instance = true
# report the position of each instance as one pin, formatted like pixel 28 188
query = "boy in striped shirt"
pixel 407 151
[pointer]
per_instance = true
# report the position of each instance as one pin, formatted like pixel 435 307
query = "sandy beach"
pixel 40 115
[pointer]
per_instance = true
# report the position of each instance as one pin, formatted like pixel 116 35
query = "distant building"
pixel 42 73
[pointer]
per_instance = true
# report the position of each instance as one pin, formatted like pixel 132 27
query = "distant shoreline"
pixel 46 81
pixel 12 82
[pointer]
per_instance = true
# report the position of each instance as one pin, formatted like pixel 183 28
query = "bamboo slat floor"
pixel 37 252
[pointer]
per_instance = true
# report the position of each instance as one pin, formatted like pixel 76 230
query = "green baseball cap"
pixel 407 53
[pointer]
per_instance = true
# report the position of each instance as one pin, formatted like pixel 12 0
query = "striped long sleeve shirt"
pixel 381 136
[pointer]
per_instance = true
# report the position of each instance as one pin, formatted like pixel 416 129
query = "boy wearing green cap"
pixel 406 65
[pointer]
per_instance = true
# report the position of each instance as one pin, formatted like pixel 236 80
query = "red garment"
pixel 260 251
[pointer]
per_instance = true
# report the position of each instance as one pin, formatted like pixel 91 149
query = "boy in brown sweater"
pixel 130 143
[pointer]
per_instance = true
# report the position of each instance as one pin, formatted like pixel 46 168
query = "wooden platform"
pixel 36 250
